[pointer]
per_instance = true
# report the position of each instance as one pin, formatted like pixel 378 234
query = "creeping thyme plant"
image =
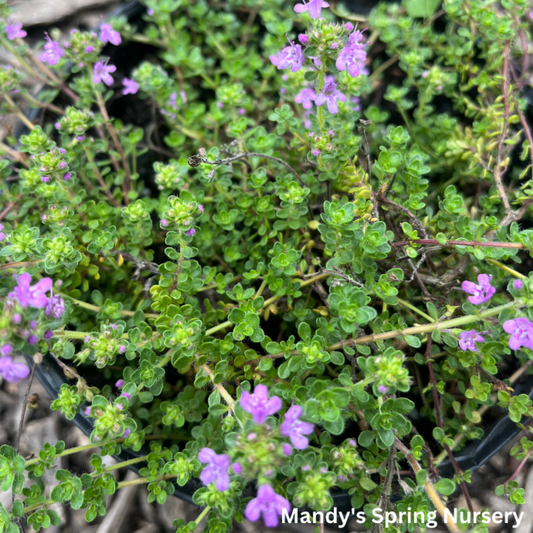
pixel 306 271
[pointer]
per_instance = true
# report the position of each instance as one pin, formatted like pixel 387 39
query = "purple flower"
pixel 102 72
pixel 55 307
pixel 267 503
pixel 468 339
pixel 352 57
pixel 53 52
pixel 294 428
pixel 200 208
pixel 15 31
pixel 164 222
pixel 306 98
pixel 237 468
pixel 130 86
pixel 109 35
pixel 88 411
pixel 382 389
pixel 31 296
pixel 2 235
pixel 287 449
pixel 126 433
pixel 521 330
pixel 303 38
pixel 291 56
pixel 216 469
pixel 120 383
pixel 126 395
pixel 190 232
pixel 315 152
pixel 259 405
pixel 48 334
pixel 517 283
pixel 349 26
pixel 11 371
pixel 6 349
pixel 313 7
pixel 330 95
pixel 480 293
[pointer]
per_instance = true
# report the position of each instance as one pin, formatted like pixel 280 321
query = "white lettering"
pixel 286 519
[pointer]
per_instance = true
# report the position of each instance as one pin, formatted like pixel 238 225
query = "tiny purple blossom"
pixel 382 389
pixel 521 330
pixel 482 292
pixel 349 26
pixel 102 72
pixel 164 222
pixel 294 428
pixel 120 383
pixel 287 449
pixel 315 152
pixel 313 7
pixel 237 468
pixel 67 176
pixel 6 349
pixel 305 468
pixel 109 35
pixel 122 348
pixel 126 433
pixel 334 46
pixel 2 235
pixel 200 208
pixel 330 94
pixel 190 232
pixel 26 295
pixel 216 469
pixel 15 31
pixel 468 339
pixel 352 442
pixel 306 98
pixel 126 395
pixel 259 405
pixel 268 504
pixel 242 111
pixel 53 52
pixel 55 307
pixel 290 56
pixel 517 283
pixel 88 411
pixel 11 371
pixel 130 86
pixel 45 179
pixel 80 138
pixel 89 49
pixel 352 57
pixel 48 334
pixel 303 38
pixel 150 12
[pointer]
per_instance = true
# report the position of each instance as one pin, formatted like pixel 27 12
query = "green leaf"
pixel 445 486
pixel 421 8
pixel 421 477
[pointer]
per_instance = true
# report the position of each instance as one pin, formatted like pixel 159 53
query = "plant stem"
pixel 100 179
pixel 14 107
pixel 127 181
pixel 430 490
pixel 202 515
pixel 415 309
pixel 97 309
